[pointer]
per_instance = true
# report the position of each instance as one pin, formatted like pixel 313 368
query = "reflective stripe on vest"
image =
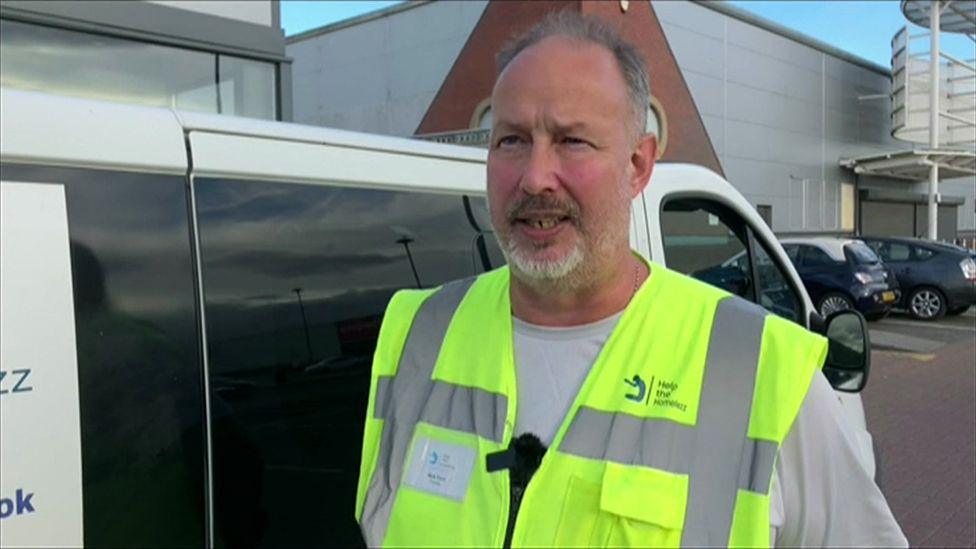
pixel 716 454
pixel 733 460
pixel 411 396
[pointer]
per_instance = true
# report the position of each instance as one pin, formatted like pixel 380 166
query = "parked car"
pixel 969 252
pixel 936 279
pixel 843 274
pixel 190 305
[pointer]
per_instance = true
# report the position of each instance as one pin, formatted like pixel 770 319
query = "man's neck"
pixel 546 305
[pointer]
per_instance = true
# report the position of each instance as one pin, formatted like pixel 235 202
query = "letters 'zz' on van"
pixel 197 299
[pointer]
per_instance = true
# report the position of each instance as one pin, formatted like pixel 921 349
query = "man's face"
pixel 560 166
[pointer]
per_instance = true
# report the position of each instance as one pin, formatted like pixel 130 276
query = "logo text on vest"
pixel 662 393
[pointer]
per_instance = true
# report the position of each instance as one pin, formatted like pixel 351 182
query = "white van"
pixel 190 304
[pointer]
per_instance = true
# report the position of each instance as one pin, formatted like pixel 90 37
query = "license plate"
pixel 888 297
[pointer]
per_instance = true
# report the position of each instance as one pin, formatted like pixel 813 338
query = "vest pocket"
pixel 581 524
pixel 632 506
pixel 647 505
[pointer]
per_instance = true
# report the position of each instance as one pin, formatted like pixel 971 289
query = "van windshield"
pixel 860 254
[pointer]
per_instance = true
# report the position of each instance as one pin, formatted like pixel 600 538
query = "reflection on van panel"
pixel 296 280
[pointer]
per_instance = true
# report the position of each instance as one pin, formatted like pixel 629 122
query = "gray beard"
pixel 575 271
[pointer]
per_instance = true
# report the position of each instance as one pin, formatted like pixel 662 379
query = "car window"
pixel 880 248
pixel 922 254
pixel 706 241
pixel 897 252
pixel 296 280
pixel 859 253
pixel 815 257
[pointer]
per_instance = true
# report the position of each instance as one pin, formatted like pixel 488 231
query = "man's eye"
pixel 509 140
pixel 574 141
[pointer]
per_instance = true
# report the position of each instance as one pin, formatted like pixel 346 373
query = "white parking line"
pixel 921 324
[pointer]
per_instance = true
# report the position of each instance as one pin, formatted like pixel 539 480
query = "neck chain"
pixel 636 279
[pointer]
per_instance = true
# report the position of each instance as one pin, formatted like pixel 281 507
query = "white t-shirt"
pixel 822 494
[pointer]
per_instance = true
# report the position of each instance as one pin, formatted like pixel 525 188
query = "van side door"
pixel 297 271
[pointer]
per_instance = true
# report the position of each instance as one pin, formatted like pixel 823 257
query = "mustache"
pixel 542 203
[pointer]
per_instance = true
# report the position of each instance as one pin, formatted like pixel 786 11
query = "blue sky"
pixel 862 28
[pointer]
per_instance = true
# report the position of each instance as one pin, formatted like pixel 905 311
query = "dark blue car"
pixel 935 278
pixel 842 274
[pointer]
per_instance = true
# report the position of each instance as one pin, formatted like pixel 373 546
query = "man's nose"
pixel 539 175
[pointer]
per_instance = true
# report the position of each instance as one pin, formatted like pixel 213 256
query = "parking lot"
pixel 921 409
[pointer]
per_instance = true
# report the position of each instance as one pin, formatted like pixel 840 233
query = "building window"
pixel 247 87
pixel 79 64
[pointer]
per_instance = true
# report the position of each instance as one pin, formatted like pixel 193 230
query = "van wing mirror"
pixel 849 351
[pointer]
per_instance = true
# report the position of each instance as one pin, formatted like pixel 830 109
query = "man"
pixel 581 396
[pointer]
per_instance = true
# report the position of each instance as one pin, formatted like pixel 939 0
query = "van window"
pixel 139 368
pixel 707 242
pixel 296 280
pixel 775 293
pixel 712 243
pixel 792 252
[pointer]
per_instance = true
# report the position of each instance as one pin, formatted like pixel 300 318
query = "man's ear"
pixel 642 163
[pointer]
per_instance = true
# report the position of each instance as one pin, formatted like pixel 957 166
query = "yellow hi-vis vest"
pixel 670 441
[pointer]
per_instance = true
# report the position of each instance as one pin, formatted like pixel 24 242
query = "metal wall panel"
pixel 772 45
pixel 761 71
pixel 759 142
pixel 380 75
pixel 707 91
pixel 689 16
pixel 775 110
pixel 701 52
pixel 797 195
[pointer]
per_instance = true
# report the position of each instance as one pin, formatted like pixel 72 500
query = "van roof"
pixel 44 128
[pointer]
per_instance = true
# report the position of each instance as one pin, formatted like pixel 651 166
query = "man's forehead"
pixel 558 54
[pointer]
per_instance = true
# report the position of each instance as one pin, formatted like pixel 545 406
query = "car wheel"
pixel 833 302
pixel 926 303
pixel 958 310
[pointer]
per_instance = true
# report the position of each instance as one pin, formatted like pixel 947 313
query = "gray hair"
pixel 589 29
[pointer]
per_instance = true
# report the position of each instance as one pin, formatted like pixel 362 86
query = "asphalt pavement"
pixel 920 403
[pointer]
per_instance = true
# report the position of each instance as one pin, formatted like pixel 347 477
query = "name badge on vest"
pixel 440 468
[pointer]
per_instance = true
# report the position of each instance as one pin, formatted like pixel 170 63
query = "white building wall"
pixel 380 76
pixel 251 11
pixel 780 113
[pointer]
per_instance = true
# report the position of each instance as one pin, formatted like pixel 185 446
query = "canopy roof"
pixel 956 16
pixel 914 164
